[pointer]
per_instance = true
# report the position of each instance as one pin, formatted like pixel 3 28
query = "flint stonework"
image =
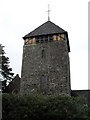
pixel 45 68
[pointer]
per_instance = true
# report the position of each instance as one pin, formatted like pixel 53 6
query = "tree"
pixel 6 71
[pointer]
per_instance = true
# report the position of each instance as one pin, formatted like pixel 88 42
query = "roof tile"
pixel 45 29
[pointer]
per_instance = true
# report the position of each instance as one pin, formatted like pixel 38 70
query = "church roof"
pixel 45 29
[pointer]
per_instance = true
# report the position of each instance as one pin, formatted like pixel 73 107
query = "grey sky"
pixel 19 17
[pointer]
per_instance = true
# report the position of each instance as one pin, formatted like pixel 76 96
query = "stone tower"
pixel 45 65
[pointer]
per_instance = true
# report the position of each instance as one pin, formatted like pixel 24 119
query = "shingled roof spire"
pixel 48 13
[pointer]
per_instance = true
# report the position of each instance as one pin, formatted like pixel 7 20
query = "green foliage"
pixel 6 70
pixel 37 107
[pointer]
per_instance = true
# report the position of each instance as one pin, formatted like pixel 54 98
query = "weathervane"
pixel 48 13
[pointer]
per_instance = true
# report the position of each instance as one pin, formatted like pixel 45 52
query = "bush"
pixel 37 107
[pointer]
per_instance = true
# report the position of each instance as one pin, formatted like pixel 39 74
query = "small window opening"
pixel 43 83
pixel 43 53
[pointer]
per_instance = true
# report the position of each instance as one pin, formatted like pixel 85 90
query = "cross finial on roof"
pixel 48 13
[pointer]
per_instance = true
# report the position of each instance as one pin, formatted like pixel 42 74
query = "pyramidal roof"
pixel 45 29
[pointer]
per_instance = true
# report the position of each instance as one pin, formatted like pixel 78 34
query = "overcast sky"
pixel 19 17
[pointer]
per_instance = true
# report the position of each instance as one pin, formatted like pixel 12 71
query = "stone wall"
pixel 45 68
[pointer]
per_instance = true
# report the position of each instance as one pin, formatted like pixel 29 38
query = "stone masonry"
pixel 45 68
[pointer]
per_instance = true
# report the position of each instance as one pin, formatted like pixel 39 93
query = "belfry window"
pixel 50 38
pixel 58 37
pixel 30 41
pixel 54 37
pixel 26 41
pixel 62 35
pixel 41 39
pixel 33 41
pixel 46 38
pixel 37 39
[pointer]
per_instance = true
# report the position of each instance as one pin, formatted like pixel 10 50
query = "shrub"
pixel 38 107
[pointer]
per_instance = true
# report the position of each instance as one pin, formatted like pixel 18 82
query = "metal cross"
pixel 48 13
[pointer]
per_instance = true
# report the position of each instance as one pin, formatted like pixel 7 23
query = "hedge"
pixel 38 107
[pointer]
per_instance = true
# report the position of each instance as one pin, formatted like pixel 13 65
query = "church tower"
pixel 45 64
